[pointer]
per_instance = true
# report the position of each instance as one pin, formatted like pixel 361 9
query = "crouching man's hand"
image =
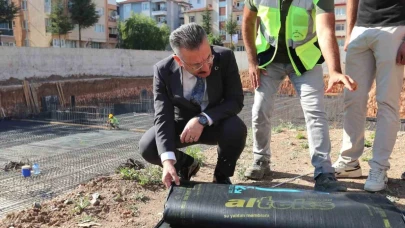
pixel 169 174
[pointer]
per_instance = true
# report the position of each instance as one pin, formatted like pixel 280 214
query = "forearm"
pixel 249 37
pixel 352 7
pixel 327 41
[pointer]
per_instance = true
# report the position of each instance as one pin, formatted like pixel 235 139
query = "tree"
pixel 84 14
pixel 207 21
pixel 7 11
pixel 231 27
pixel 214 39
pixel 142 33
pixel 60 22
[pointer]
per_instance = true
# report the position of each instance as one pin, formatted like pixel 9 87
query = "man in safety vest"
pixel 292 39
pixel 113 122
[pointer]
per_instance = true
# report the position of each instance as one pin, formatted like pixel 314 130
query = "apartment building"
pixel 30 26
pixel 340 21
pixel 170 12
pixel 220 10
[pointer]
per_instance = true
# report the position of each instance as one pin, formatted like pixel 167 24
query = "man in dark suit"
pixel 197 96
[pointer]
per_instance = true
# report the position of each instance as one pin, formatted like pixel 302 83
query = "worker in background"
pixel 293 39
pixel 113 122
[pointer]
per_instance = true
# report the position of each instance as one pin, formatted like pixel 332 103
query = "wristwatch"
pixel 202 120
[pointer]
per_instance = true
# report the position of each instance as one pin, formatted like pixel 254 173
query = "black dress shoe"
pixel 221 179
pixel 185 173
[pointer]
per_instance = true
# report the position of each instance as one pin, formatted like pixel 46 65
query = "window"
pixel 145 5
pixel 100 11
pixel 99 28
pixel 340 11
pixel 24 5
pixel 13 24
pixel 48 6
pixel 55 43
pixel 340 27
pixel 25 24
pixel 48 24
pixel 240 48
pixel 26 43
pixel 162 19
pixel 239 18
pixel 113 30
pixel 191 19
pixel 95 45
pixel 4 25
pixel 70 44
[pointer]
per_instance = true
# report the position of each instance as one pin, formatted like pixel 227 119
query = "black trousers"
pixel 229 134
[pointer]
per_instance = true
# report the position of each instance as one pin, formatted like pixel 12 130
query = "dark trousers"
pixel 229 134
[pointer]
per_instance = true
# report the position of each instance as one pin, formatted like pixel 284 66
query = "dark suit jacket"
pixel 224 88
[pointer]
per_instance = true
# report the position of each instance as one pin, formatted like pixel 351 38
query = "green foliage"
pixel 231 27
pixel 151 175
pixel 60 22
pixel 277 129
pixel 81 204
pixel 214 39
pixel 196 153
pixel 207 21
pixel 8 10
pixel 300 135
pixel 368 143
pixel 142 33
pixel 84 14
pixel 304 145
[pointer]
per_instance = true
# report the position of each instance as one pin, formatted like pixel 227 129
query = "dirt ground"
pixel 124 203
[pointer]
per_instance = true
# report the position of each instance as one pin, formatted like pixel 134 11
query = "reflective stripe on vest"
pixel 300 34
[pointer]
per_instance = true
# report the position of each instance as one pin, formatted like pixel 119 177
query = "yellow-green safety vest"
pixel 301 39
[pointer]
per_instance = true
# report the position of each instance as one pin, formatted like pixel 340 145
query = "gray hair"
pixel 188 36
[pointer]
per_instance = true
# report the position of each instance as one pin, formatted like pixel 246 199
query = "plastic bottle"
pixel 35 169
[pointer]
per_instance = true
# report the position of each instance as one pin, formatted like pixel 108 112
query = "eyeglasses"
pixel 198 66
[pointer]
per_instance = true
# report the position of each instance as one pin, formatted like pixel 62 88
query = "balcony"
pixel 340 33
pixel 114 36
pixel 340 2
pixel 156 1
pixel 159 11
pixel 6 32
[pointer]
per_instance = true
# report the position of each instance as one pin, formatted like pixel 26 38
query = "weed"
pixel 150 175
pixel 288 125
pixel 135 210
pixel 277 129
pixel 300 128
pixel 141 197
pixel 195 152
pixel 81 204
pixel 300 135
pixel 368 143
pixel 304 145
pixel 86 218
pixel 366 156
pixel 372 135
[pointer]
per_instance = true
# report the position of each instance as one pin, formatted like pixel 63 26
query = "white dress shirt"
pixel 189 82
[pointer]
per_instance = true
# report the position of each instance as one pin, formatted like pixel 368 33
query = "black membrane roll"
pixel 200 205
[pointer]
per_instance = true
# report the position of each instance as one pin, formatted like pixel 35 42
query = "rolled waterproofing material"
pixel 199 205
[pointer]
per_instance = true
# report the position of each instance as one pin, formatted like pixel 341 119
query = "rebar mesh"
pixel 71 154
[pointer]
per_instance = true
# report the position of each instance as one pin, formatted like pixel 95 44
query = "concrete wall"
pixel 24 62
